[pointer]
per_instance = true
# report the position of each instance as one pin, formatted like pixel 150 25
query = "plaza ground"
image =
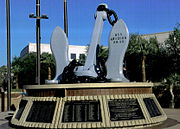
pixel 173 121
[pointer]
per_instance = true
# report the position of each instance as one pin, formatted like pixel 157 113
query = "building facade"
pixel 161 37
pixel 74 51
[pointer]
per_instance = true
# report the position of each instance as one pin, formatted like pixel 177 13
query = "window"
pixel 81 56
pixel 73 56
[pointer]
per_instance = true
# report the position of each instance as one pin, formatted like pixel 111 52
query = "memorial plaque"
pixel 82 111
pixel 41 111
pixel 152 107
pixel 124 109
pixel 22 106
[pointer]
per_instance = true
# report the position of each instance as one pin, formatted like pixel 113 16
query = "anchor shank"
pixel 95 39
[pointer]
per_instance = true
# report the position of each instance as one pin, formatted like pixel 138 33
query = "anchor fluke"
pixel 118 43
pixel 59 47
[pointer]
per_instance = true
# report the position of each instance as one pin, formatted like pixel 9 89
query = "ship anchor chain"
pixel 109 14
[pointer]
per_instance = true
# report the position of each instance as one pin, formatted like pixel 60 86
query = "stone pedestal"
pixel 89 105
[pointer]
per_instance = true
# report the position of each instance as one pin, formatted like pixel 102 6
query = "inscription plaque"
pixel 118 38
pixel 22 106
pixel 124 109
pixel 82 111
pixel 41 111
pixel 152 107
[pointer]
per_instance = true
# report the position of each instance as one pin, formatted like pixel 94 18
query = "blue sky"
pixel 141 16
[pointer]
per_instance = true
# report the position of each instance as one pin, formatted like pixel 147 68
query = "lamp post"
pixel 65 18
pixel 8 56
pixel 38 38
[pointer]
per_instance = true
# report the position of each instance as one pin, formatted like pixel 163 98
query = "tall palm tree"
pixel 142 47
pixel 172 48
pixel 49 60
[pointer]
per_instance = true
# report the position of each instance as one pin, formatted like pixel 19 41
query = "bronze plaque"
pixel 82 111
pixel 22 106
pixel 152 107
pixel 124 109
pixel 41 111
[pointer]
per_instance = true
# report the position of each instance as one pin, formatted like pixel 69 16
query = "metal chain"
pixel 109 14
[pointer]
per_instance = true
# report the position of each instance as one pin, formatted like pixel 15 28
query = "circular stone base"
pixel 92 105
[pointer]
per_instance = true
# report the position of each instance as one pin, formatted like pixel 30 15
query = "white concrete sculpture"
pixel 59 47
pixel 118 43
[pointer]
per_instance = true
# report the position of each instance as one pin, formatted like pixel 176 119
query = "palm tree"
pixel 172 81
pixel 49 60
pixel 103 52
pixel 3 71
pixel 16 68
pixel 172 48
pixel 142 47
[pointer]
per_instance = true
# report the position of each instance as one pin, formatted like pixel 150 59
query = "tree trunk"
pixel 144 69
pixel 17 81
pixel 49 73
pixel 172 96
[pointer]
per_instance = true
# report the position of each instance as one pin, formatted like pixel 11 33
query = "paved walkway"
pixel 173 121
pixel 4 120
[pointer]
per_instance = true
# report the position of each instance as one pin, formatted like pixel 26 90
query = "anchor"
pixel 91 71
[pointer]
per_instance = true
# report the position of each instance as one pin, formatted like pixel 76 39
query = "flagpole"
pixel 8 55
pixel 38 39
pixel 65 18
